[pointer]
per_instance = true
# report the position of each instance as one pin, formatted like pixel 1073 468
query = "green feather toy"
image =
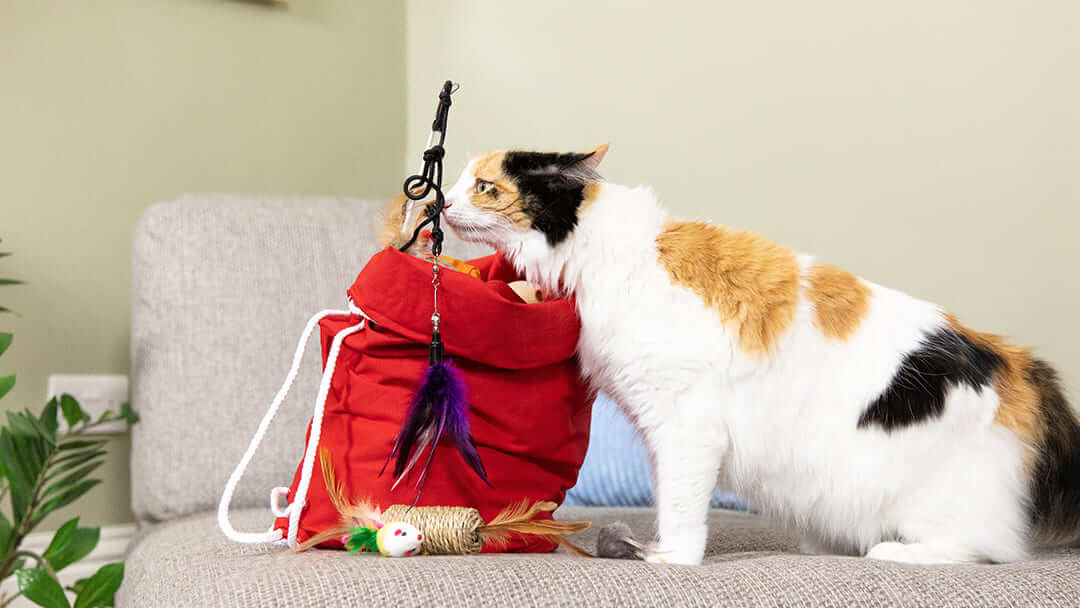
pixel 362 540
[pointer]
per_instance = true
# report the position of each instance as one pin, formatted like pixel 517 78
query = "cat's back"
pixel 773 300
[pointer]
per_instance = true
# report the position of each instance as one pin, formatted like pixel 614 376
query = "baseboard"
pixel 110 548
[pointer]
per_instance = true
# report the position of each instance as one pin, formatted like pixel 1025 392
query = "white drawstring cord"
pixel 234 479
pixel 300 499
pixel 354 309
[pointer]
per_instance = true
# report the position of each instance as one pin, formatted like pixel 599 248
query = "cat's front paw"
pixel 682 558
pixel 685 551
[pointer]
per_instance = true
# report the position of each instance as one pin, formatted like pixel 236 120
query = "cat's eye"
pixel 482 186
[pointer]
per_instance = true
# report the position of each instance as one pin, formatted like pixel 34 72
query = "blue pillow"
pixel 617 471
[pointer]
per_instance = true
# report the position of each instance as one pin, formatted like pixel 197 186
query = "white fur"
pixel 780 430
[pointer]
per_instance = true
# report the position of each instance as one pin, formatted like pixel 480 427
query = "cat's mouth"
pixel 467 229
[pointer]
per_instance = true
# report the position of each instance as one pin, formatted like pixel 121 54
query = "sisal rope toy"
pixel 403 531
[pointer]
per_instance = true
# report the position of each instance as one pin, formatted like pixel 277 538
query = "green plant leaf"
pixel 65 498
pixel 40 588
pixel 48 417
pixel 72 460
pixel 78 445
pixel 100 589
pixel 5 342
pixel 73 412
pixel 77 475
pixel 20 425
pixel 10 282
pixel 44 433
pixel 20 474
pixel 5 534
pixel 2 309
pixel 128 414
pixel 70 544
pixel 6 384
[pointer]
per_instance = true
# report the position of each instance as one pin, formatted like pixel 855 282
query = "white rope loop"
pixel 300 499
pixel 273 535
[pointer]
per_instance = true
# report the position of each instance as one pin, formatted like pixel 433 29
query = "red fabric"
pixel 529 410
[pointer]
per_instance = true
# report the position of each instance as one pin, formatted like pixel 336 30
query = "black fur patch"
pixel 944 359
pixel 552 187
pixel 1055 484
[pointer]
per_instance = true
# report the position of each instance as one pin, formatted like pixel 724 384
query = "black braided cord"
pixel 419 186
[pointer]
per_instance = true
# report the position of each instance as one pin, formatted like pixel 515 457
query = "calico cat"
pixel 868 421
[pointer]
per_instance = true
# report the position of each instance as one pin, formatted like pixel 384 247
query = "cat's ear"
pixel 583 164
pixel 596 155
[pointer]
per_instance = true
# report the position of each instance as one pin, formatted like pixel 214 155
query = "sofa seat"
pixel 186 562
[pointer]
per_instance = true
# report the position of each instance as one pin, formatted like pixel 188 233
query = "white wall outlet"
pixel 95 394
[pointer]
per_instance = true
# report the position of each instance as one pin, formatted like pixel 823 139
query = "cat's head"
pixel 513 200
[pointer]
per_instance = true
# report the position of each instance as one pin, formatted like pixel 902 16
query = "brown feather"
pixel 522 511
pixel 539 527
pixel 318 539
pixel 334 489
pixel 518 519
pixel 562 540
pixel 362 513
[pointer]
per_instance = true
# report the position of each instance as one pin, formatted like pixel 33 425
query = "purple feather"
pixel 440 406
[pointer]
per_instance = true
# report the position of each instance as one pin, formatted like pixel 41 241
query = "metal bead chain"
pixel 435 286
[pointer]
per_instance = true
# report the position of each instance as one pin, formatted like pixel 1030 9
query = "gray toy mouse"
pixel 616 541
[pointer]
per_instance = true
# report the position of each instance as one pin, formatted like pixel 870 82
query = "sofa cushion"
pixel 187 563
pixel 221 289
pixel 618 471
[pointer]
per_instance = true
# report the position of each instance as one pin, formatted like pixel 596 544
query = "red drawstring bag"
pixel 529 409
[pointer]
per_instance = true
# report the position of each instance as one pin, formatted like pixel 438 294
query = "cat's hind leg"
pixel 919 553
pixel 972 507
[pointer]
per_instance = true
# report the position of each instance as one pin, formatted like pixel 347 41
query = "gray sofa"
pixel 221 289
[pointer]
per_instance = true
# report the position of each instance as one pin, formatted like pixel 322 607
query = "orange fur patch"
pixel 489 168
pixel 1019 409
pixel 589 195
pixel 505 199
pixel 841 300
pixel 751 282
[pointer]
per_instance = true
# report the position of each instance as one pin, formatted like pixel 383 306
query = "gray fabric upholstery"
pixel 187 563
pixel 221 288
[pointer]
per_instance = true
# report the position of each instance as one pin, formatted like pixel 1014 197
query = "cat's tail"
pixel 1055 485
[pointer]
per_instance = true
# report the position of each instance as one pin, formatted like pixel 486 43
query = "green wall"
pixel 106 107
pixel 933 147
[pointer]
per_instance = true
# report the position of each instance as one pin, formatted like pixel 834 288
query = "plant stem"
pixel 44 563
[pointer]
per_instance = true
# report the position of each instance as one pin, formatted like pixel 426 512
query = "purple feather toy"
pixel 440 406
